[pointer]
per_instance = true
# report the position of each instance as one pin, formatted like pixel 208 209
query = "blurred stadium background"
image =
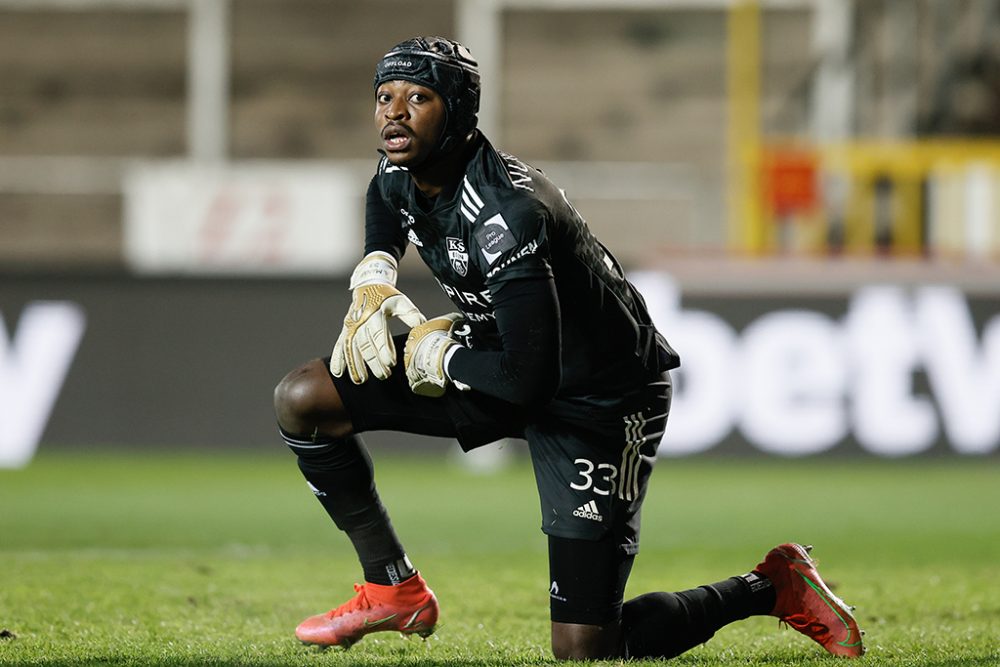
pixel 808 192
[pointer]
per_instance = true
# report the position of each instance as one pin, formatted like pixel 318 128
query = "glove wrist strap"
pixel 434 349
pixel 449 353
pixel 377 268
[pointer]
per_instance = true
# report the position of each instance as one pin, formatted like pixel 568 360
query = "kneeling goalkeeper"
pixel 550 343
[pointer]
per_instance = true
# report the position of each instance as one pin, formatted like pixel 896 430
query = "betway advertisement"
pixel 34 361
pixel 883 370
pixel 796 380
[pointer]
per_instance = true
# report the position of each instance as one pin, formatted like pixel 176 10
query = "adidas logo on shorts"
pixel 588 511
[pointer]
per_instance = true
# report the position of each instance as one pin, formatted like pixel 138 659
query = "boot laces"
pixel 806 625
pixel 356 603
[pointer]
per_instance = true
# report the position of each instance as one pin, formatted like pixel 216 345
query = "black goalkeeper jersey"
pixel 505 222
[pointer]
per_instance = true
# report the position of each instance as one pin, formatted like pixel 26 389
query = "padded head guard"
pixel 446 67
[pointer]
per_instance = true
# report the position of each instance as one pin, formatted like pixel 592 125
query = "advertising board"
pixel 884 370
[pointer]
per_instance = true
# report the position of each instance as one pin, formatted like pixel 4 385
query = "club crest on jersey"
pixel 457 255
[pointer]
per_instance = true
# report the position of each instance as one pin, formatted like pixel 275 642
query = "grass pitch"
pixel 135 559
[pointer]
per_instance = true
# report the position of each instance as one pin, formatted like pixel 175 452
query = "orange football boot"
pixel 806 603
pixel 409 607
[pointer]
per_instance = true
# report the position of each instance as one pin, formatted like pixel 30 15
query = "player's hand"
pixel 424 354
pixel 365 342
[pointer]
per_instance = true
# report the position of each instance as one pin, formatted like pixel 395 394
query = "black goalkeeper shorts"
pixel 591 469
pixel 473 418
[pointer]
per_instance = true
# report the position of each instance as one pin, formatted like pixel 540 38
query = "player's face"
pixel 409 119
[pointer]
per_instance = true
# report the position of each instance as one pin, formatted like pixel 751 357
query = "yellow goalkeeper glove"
pixel 365 342
pixel 425 352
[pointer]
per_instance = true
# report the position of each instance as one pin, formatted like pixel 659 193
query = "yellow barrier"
pixel 934 197
pixel 746 229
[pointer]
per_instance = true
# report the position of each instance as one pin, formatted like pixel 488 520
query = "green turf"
pixel 111 559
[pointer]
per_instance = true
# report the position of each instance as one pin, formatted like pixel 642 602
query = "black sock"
pixel 763 597
pixel 340 474
pixel 664 625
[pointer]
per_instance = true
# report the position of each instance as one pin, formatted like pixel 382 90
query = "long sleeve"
pixel 527 370
pixel 382 229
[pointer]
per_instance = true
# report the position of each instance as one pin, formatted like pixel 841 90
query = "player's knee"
pixel 305 400
pixel 292 401
pixel 584 642
pixel 568 651
pixel 575 650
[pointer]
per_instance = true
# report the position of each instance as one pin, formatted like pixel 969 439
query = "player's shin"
pixel 664 625
pixel 339 472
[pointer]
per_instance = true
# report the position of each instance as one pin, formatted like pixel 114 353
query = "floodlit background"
pixel 807 191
